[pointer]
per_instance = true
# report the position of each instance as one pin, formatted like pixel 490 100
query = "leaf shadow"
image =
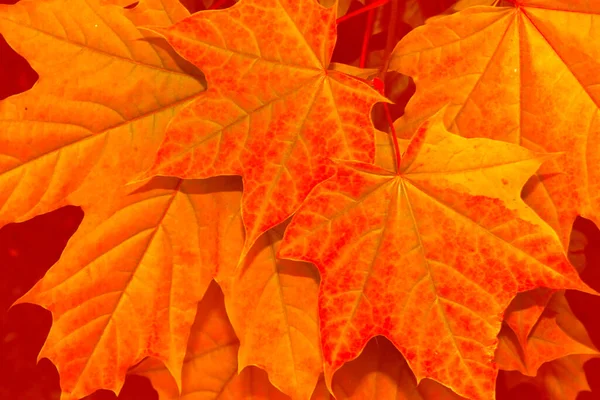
pixel 224 183
pixel 181 62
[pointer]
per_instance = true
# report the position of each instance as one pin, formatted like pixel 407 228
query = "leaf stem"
pixel 391 40
pixel 398 157
pixel 389 47
pixel 371 6
pixel 217 4
pixel 367 36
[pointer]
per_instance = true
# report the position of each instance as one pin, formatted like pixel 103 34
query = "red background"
pixel 28 249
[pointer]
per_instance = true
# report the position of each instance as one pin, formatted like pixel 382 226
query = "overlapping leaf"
pixel 429 257
pixel 559 379
pixel 380 372
pixel 273 113
pixel 272 305
pixel 525 310
pixel 267 295
pixel 526 75
pixel 210 370
pixel 557 333
pixel 129 280
pixel 88 125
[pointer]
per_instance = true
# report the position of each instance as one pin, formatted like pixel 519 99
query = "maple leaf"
pixel 559 379
pixel 266 295
pixel 68 140
pixel 381 370
pixel 428 257
pixel 129 280
pixel 525 74
pixel 525 310
pixel 277 298
pixel 557 333
pixel 210 368
pixel 273 113
pixel 448 229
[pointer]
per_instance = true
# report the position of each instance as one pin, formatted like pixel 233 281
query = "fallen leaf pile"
pixel 309 200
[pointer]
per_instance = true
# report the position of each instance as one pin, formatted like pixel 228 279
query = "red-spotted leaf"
pixel 381 370
pixel 525 74
pixel 129 280
pixel 273 112
pixel 526 308
pixel 429 257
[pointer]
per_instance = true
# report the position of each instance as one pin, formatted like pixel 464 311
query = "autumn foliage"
pixel 299 199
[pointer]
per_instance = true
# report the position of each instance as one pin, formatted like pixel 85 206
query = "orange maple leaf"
pixel 69 140
pixel 380 370
pixel 210 365
pixel 276 299
pixel 525 310
pixel 266 295
pixel 429 257
pixel 273 112
pixel 560 379
pixel 556 334
pixel 522 74
pixel 128 282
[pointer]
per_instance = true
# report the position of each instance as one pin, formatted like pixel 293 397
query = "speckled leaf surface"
pixel 128 282
pixel 238 146
pixel 381 372
pixel 523 75
pixel 375 237
pixel 273 112
pixel 68 140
